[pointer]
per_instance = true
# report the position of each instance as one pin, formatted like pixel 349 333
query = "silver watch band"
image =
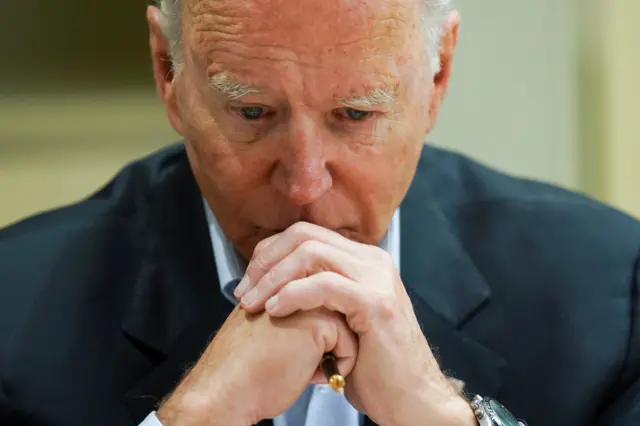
pixel 486 416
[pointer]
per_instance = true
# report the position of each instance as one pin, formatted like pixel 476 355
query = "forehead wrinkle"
pixel 214 43
pixel 290 26
pixel 220 9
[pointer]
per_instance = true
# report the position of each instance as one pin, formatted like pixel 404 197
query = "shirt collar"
pixel 231 265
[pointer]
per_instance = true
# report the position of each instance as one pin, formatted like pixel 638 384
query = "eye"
pixel 355 114
pixel 252 112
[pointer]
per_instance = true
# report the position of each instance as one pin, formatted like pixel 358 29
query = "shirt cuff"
pixel 151 420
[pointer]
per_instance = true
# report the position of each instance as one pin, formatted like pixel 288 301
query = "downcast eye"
pixel 252 113
pixel 357 115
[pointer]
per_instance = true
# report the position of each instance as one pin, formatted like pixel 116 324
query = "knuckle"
pixel 299 230
pixel 310 247
pixel 269 277
pixel 322 331
pixel 327 279
pixel 324 282
pixel 256 266
pixel 384 258
pixel 385 306
pixel 263 244
pixel 384 267
pixel 286 293
pixel 332 281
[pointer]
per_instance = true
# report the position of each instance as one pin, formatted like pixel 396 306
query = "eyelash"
pixel 340 113
pixel 267 113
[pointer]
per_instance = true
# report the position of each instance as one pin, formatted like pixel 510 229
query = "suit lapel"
pixel 446 287
pixel 176 305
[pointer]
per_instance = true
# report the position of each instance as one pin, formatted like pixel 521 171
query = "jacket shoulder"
pixel 72 254
pixel 468 189
pixel 537 241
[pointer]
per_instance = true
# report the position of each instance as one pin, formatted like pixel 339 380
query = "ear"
pixel 162 66
pixel 448 44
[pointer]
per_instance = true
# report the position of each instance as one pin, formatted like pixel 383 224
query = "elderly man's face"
pixel 302 110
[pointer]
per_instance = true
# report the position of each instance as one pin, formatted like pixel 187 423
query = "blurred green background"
pixel 546 89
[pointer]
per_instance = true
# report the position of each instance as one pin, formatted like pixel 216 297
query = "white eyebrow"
pixel 229 88
pixel 377 97
pixel 234 90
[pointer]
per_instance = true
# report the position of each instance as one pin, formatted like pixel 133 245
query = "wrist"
pixel 192 408
pixel 459 413
pixel 182 409
pixel 436 408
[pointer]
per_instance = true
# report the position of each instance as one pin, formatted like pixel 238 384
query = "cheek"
pixel 378 175
pixel 229 170
pixel 213 157
pixel 235 177
pixel 398 157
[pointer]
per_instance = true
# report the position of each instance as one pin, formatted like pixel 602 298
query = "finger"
pixel 318 378
pixel 353 397
pixel 309 258
pixel 326 289
pixel 285 243
pixel 243 285
pixel 345 349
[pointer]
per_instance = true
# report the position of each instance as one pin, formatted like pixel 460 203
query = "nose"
pixel 301 173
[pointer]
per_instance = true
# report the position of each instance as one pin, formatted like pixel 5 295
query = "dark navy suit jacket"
pixel 527 292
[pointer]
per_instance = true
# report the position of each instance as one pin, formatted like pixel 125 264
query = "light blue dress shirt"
pixel 319 405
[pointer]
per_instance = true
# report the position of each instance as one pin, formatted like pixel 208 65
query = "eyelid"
pixel 236 111
pixel 240 105
pixel 363 109
pixel 371 113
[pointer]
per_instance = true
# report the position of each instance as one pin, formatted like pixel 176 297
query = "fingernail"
pixel 242 287
pixel 251 297
pixel 272 304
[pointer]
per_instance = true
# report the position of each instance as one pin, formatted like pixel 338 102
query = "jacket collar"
pixel 177 278
pixel 176 305
pixel 434 263
pixel 446 287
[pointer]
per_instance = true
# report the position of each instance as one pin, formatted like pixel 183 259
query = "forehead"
pixel 283 21
pixel 330 37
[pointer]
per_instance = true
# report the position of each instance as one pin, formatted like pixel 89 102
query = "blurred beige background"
pixel 546 89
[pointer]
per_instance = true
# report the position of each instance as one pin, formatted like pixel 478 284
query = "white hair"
pixel 433 18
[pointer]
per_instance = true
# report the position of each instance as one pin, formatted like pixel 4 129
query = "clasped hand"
pixel 310 290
